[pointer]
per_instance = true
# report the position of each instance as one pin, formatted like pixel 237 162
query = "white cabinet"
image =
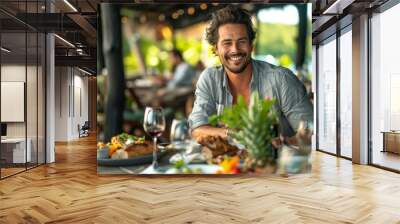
pixel 18 149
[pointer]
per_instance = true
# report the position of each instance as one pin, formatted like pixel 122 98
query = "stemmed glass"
pixel 154 125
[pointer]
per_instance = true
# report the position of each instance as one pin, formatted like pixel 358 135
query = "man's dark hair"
pixel 229 14
pixel 177 53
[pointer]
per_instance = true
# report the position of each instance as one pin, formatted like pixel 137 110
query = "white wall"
pixel 11 73
pixel 71 94
pixel 61 103
pixel 33 127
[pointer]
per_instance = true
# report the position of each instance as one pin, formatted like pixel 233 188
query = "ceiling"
pixel 77 26
pixel 76 22
pixel 330 15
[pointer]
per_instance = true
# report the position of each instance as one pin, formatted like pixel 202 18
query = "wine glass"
pixel 154 125
pixel 220 110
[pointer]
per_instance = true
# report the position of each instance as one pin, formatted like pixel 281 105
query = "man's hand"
pixel 161 92
pixel 276 142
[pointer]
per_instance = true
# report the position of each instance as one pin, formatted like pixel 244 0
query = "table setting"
pixel 248 149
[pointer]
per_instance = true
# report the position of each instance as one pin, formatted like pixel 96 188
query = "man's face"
pixel 234 47
pixel 173 59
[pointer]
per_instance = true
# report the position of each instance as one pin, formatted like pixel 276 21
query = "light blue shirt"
pixel 292 102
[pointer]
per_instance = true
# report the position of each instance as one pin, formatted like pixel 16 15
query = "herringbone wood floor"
pixel 70 191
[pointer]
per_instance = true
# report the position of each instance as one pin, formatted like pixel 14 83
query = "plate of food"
pixel 125 150
pixel 216 148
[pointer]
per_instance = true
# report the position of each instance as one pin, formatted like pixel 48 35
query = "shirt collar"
pixel 225 79
pixel 253 80
pixel 254 77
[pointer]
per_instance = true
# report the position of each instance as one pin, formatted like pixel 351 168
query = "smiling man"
pixel 231 34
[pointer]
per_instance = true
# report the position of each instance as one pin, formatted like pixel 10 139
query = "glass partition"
pixel 31 97
pixel 22 77
pixel 13 108
pixel 41 86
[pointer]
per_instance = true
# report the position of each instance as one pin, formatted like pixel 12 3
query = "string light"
pixel 143 19
pixel 191 10
pixel 161 17
pixel 124 19
pixel 203 6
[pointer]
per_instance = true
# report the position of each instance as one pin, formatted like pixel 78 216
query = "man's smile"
pixel 236 58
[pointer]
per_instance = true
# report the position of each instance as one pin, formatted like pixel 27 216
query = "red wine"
pixel 155 132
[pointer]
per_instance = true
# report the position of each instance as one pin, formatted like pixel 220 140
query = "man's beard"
pixel 235 69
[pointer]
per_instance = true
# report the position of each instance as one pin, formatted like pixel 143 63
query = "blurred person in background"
pixel 183 72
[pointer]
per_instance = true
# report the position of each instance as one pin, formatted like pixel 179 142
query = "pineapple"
pixel 253 127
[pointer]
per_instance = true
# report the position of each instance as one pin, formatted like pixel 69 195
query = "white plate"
pixel 205 169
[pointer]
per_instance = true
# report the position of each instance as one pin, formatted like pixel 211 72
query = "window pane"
pixel 346 94
pixel 327 96
pixel 385 88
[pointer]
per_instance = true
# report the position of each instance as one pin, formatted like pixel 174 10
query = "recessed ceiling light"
pixel 5 50
pixel 337 7
pixel 70 5
pixel 65 41
pixel 84 71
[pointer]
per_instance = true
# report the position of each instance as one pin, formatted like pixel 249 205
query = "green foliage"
pixel 252 126
pixel 182 168
pixel 152 52
pixel 277 40
pixel 180 164
pixel 124 137
pixel 190 48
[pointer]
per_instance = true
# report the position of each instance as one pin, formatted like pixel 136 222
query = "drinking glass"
pixel 154 125
pixel 179 131
pixel 179 135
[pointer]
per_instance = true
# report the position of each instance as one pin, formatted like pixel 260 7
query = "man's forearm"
pixel 208 130
pixel 291 140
